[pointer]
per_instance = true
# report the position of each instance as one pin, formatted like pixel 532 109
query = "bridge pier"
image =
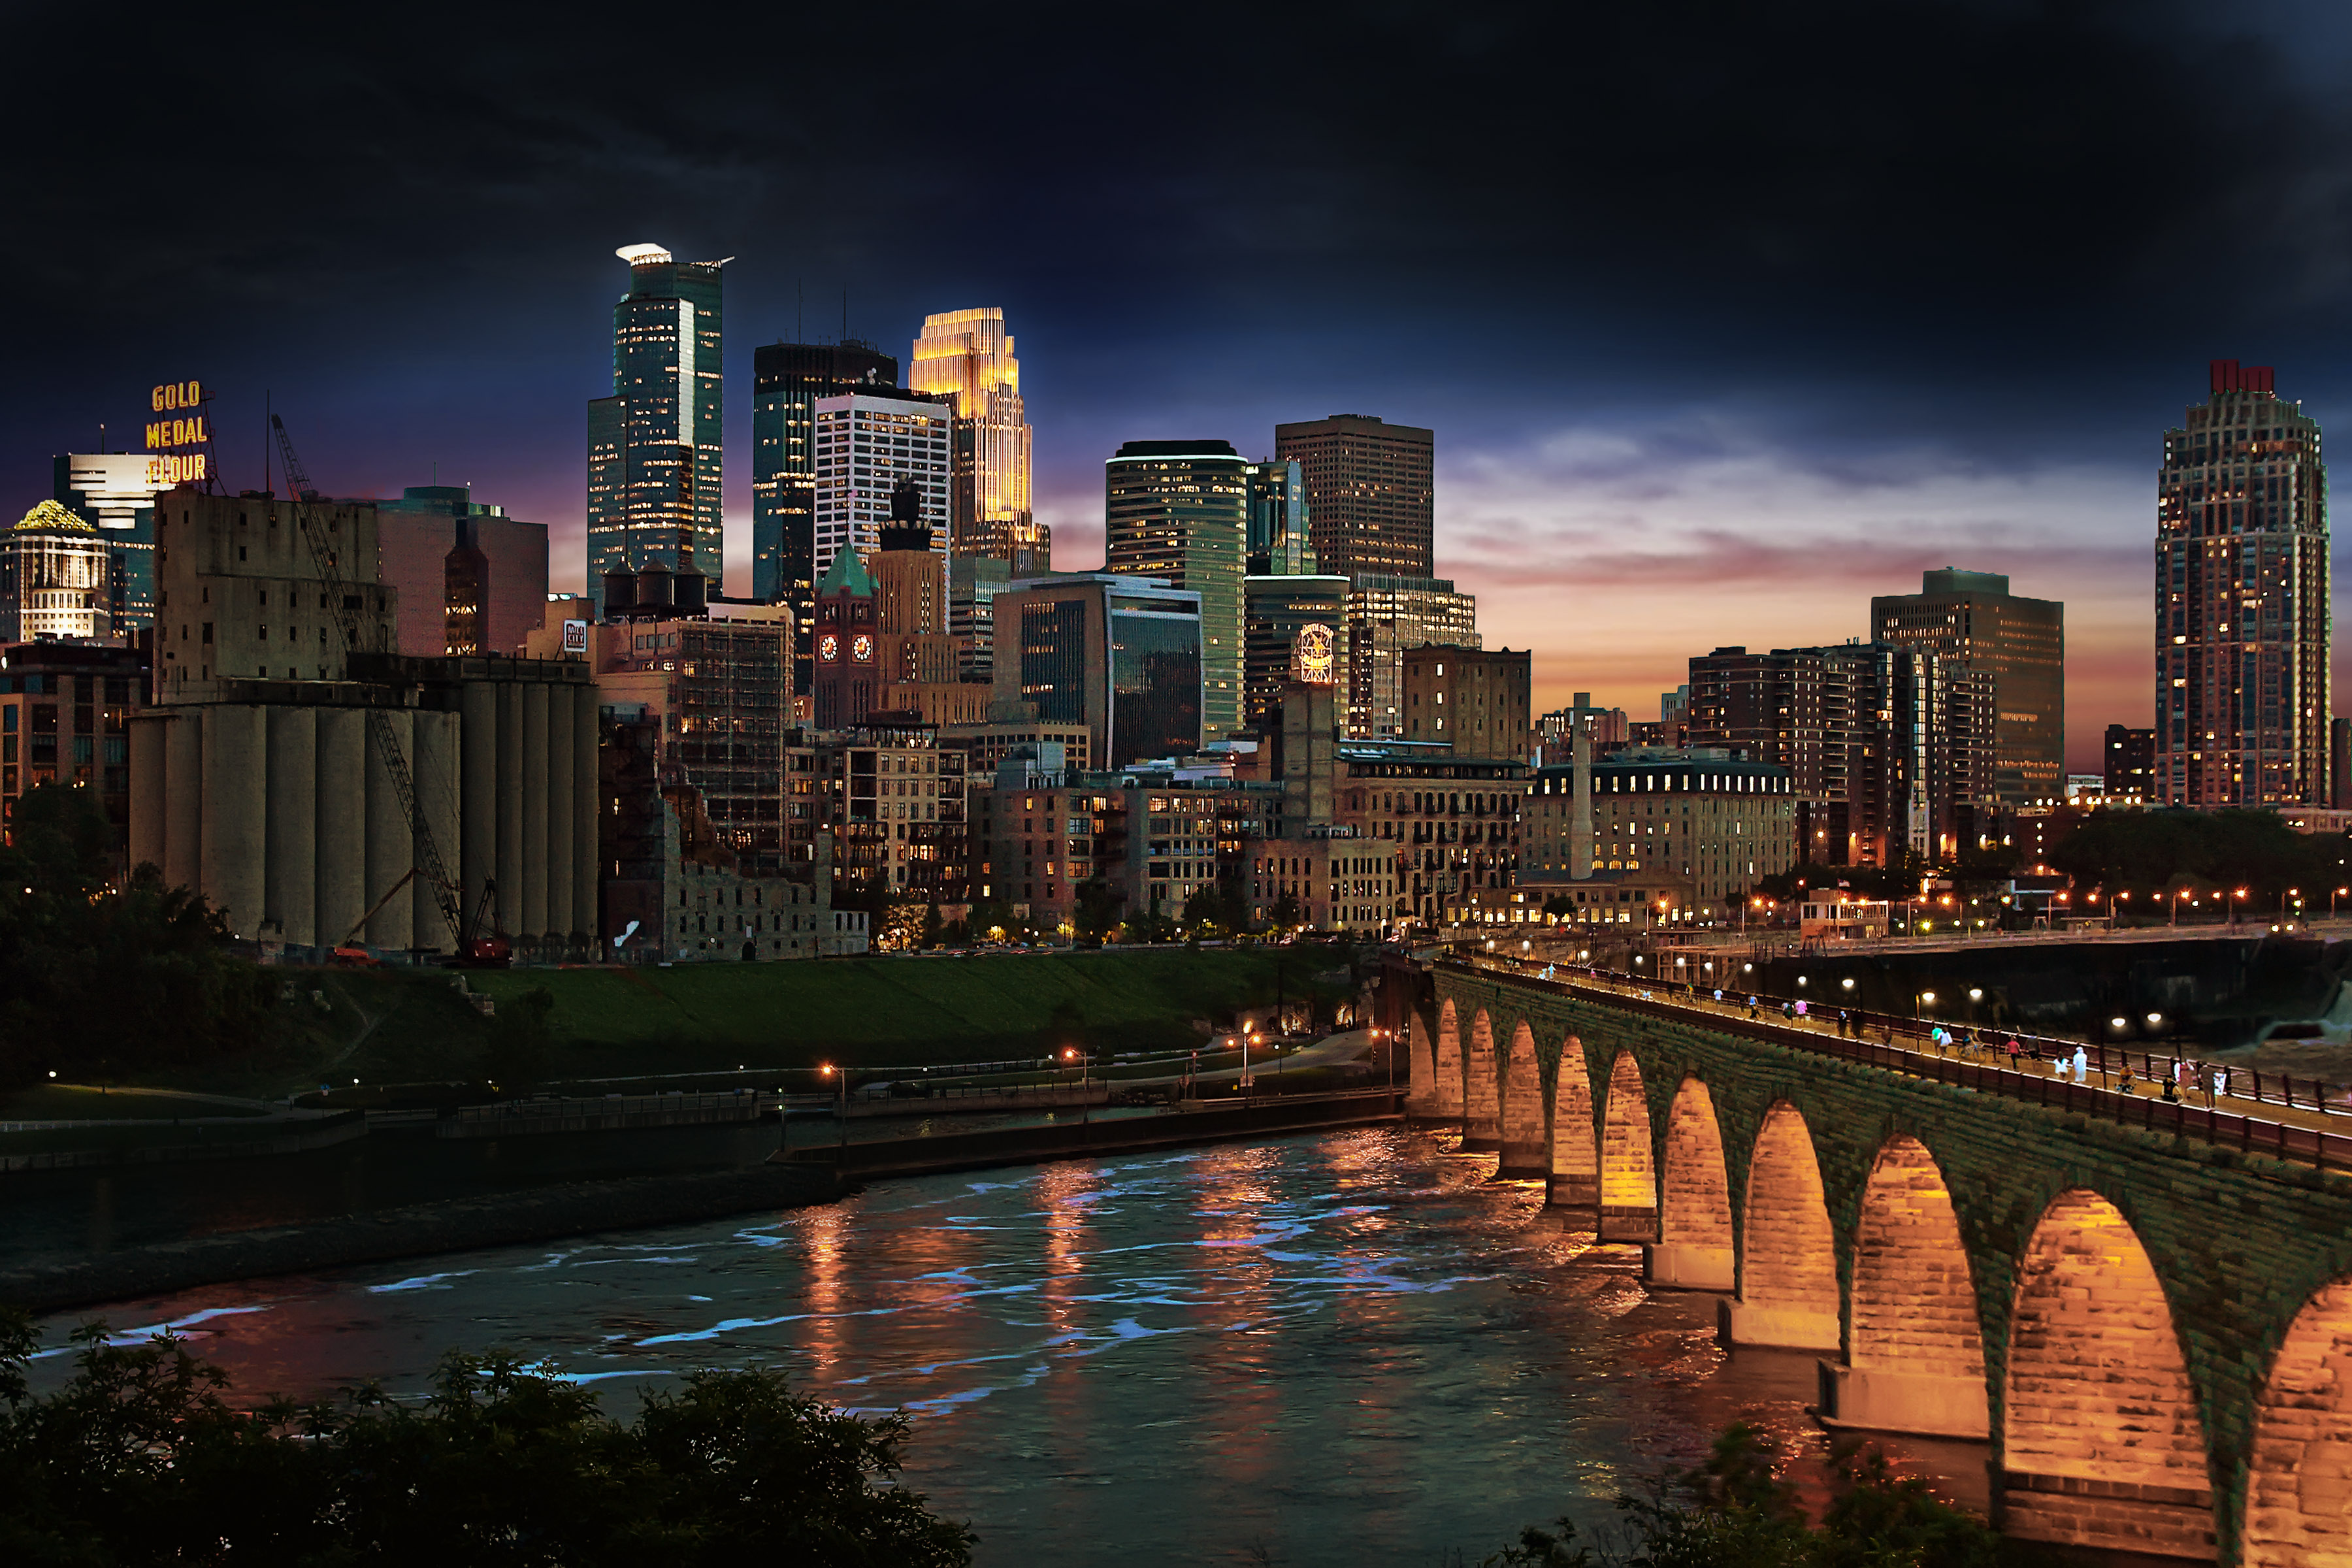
pixel 1572 1192
pixel 1921 1405
pixel 1625 1222
pixel 1680 1265
pixel 1743 1324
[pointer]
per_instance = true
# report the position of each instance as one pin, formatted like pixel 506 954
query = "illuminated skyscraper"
pixel 970 354
pixel 655 446
pixel 868 443
pixel 1180 511
pixel 1370 493
pixel 116 490
pixel 1387 617
pixel 2242 606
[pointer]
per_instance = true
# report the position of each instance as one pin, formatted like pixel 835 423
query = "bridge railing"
pixel 2153 1112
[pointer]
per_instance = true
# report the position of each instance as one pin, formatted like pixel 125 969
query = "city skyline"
pixel 1815 372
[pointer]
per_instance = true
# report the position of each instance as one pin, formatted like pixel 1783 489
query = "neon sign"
pixel 168 437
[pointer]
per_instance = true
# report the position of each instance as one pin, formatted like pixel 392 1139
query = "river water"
pixel 1342 1348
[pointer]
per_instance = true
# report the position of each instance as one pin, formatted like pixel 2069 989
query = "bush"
pixel 1736 1512
pixel 140 1459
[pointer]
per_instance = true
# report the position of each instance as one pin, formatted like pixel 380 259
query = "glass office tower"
pixel 116 490
pixel 786 381
pixel 1180 511
pixel 655 446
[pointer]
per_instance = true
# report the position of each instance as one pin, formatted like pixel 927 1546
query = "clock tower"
pixel 846 673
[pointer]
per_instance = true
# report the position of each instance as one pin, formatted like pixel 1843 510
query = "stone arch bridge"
pixel 2152 1335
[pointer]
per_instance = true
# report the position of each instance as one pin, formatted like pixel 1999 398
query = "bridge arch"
pixel 1915 1349
pixel 1482 1126
pixel 1522 1108
pixel 2100 1443
pixel 1421 1068
pixel 1447 1079
pixel 1575 1155
pixel 1693 1249
pixel 1788 1265
pixel 2299 1485
pixel 1629 1182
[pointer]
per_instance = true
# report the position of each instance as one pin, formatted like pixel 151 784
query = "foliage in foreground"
pixel 139 1459
pixel 1742 1515
pixel 96 981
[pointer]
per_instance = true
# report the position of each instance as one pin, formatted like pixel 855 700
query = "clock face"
pixel 828 648
pixel 861 648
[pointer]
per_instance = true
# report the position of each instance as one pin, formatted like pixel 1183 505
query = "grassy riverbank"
pixel 399 1026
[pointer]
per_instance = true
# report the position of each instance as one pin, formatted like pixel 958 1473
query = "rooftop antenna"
pixel 265 438
pixel 796 311
pixel 101 438
pixel 844 312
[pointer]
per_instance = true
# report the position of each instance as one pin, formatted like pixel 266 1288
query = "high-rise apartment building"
pixel 1890 748
pixel 868 444
pixel 655 446
pixel 968 355
pixel 787 379
pixel 1973 616
pixel 1118 653
pixel 2130 761
pixel 2241 609
pixel 1387 615
pixel 1370 493
pixel 115 492
pixel 1178 511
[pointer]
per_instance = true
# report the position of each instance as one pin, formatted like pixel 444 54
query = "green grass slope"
pixel 900 1012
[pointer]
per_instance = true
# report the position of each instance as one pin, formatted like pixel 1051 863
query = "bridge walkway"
pixel 2308 1133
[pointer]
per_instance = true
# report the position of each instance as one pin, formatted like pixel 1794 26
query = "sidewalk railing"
pixel 2151 1111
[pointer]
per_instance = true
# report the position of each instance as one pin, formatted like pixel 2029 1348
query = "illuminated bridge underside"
pixel 2154 1343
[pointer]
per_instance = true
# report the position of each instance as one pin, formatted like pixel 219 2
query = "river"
pixel 1333 1349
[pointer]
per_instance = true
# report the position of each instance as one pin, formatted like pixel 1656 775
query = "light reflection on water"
pixel 1334 1349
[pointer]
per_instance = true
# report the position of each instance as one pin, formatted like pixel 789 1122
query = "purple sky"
pixel 1727 317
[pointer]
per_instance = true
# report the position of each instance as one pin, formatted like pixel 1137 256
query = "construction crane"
pixel 344 603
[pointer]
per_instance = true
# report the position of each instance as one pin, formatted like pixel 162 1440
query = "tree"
pixel 140 1458
pixel 1099 909
pixel 97 981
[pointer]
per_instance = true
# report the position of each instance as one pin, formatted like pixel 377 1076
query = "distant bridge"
pixel 2144 1308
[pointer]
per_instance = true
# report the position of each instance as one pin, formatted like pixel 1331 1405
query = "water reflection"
pixel 1296 1349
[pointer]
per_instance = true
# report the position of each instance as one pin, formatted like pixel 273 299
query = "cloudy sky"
pixel 1726 316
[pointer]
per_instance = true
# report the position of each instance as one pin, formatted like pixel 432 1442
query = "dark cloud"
pixel 2013 231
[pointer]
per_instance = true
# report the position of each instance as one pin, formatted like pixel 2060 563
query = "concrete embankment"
pixel 501 1219
pixel 1075 1140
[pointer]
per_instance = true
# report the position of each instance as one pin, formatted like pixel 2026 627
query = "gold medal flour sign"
pixel 180 424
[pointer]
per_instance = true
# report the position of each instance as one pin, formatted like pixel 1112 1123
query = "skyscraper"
pixel 970 354
pixel 1180 511
pixel 1370 493
pixel 1118 653
pixel 1279 542
pixel 655 446
pixel 2241 609
pixel 116 490
pixel 786 381
pixel 1386 615
pixel 868 444
pixel 1973 616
